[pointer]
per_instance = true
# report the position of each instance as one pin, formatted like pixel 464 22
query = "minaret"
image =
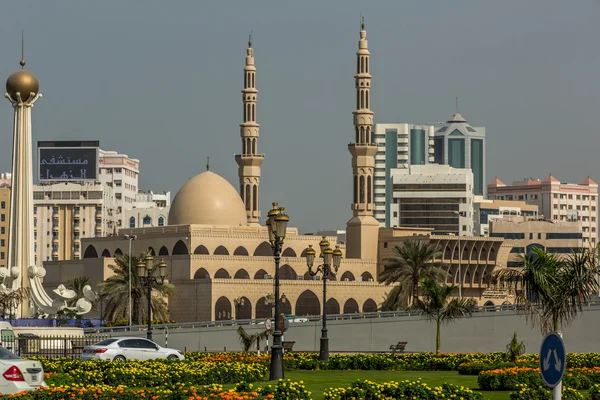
pixel 362 230
pixel 22 90
pixel 249 161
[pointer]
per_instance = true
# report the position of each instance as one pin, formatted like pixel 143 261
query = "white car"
pixel 128 348
pixel 18 375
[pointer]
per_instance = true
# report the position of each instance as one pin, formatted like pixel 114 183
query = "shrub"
pixel 525 392
pixel 511 378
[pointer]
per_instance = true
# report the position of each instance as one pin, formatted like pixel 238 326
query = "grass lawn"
pixel 318 381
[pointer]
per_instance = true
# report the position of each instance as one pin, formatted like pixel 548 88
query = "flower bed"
pixel 525 392
pixel 511 378
pixel 282 390
pixel 396 390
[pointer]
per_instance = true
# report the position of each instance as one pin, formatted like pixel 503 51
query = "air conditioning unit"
pixel 359 279
pixel 267 276
pixel 346 279
pixel 370 279
pixel 300 277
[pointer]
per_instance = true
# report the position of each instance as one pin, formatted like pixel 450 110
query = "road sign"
pixel 553 359
pixel 268 325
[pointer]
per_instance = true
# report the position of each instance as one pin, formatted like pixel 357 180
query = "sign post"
pixel 553 360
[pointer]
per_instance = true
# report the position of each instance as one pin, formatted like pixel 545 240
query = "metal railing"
pixel 29 345
pixel 480 310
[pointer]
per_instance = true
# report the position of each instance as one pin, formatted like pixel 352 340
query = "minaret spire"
pixel 249 161
pixel 22 49
pixel 362 229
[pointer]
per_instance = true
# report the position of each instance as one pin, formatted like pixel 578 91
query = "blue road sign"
pixel 553 359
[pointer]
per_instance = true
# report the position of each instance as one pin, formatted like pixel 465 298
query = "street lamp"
pixel 277 224
pixel 459 214
pixel 148 279
pixel 238 302
pixel 331 258
pixel 130 238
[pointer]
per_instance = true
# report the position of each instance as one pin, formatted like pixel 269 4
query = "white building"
pixel 149 209
pixel 339 233
pixel 487 211
pixel 120 172
pixel 64 213
pixel 398 146
pixel 433 196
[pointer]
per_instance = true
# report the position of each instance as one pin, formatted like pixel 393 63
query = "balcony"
pixel 55 228
pixel 98 229
pixel 76 216
pixel 55 253
pixel 55 242
pixel 98 216
pixel 54 216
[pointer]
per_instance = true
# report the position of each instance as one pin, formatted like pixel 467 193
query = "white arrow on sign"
pixel 557 363
pixel 547 360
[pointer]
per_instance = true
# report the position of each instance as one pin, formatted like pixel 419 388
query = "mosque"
pixel 219 257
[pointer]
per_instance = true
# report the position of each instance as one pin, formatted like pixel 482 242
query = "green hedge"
pixel 525 392
pixel 514 377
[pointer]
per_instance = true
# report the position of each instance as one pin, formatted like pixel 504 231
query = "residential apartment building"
pixel 461 145
pixel 4 212
pixel 64 213
pixel 527 233
pixel 491 210
pixel 149 209
pixel 556 201
pixel 121 173
pixel 436 197
pixel 398 146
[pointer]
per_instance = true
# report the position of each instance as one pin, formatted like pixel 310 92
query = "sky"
pixel 161 81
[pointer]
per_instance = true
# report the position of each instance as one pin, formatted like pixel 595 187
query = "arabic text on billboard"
pixel 68 164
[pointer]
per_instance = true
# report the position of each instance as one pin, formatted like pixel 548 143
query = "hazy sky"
pixel 160 81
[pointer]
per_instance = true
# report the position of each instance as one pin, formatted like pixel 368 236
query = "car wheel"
pixel 119 358
pixel 172 357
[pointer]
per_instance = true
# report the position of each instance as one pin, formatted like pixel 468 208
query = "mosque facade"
pixel 219 257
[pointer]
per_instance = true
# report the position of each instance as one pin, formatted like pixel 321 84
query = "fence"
pixel 30 345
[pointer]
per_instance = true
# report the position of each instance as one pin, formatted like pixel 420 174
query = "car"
pixel 128 348
pixel 294 318
pixel 19 375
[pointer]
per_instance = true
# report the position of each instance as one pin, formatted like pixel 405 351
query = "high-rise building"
pixel 362 230
pixel 556 201
pixel 250 160
pixel 398 146
pixel 527 233
pixel 461 145
pixel 150 209
pixel 4 213
pixel 436 197
pixel 491 210
pixel 64 213
pixel 120 172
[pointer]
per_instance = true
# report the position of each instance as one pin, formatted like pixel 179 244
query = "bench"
pixel 288 346
pixel 399 347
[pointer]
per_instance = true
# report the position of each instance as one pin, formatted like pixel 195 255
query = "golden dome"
pixel 23 82
pixel 207 199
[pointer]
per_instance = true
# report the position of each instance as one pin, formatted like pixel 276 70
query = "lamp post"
pixel 146 271
pixel 277 224
pixel 238 302
pixel 459 214
pixel 331 258
pixel 130 238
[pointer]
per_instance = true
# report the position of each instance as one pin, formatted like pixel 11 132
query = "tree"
pixel 247 339
pixel 514 349
pixel 438 306
pixel 551 291
pixel 411 263
pixel 11 299
pixel 115 293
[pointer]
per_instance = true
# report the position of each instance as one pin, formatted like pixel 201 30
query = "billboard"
pixel 64 161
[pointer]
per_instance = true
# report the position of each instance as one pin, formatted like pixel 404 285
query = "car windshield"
pixel 105 342
pixel 7 355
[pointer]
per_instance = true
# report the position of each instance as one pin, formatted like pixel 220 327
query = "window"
pixel 530 235
pixel 3 205
pixel 385 245
pixel 161 221
pixel 2 242
pixel 2 231
pixel 395 214
pixel 2 255
pixel 556 206
pixel 578 197
pixel 132 222
pixel 2 217
pixel 539 236
pixel 570 197
pixel 556 195
pixel 35 210
pixel 147 220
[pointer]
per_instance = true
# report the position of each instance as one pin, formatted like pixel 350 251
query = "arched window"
pixel 477 277
pixel 201 250
pixel 357 99
pixel 367 64
pixel 289 252
pixel 118 252
pixel 362 134
pixel 247 112
pixel 347 276
pixel 241 274
pixel 246 80
pixel 333 307
pixel 362 188
pixel 308 304
pixel 287 273
pixel 180 248
pixel 254 142
pixel 147 220
pixel 244 146
pixel 263 310
pixel 370 306
pixel 368 135
pixel 201 274
pixel 369 190
pixel 362 64
pixel 253 83
pixel 161 221
pixel 163 251
pixel 260 274
pixel 222 274
pixel 151 251
pixel 358 65
pixel 222 309
pixel 264 249
pixel 468 278
pixel 366 99
pixel 240 251
pixel 366 277
pixel 90 252
pixel 356 132
pixel 132 222
pixel 351 307
pixel 243 309
pixel 221 251
pixel 255 197
pixel 106 253
pixel 253 112
pixel 362 99
pixel 355 189
pixel 247 192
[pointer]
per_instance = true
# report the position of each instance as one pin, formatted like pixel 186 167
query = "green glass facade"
pixel 456 153
pixel 477 165
pixel 417 146
pixel 391 162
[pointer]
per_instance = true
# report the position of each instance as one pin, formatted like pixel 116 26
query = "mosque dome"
pixel 207 199
pixel 23 82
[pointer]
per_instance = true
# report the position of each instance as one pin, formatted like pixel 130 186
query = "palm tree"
pixel 115 293
pixel 77 284
pixel 411 263
pixel 552 290
pixel 438 306
pixel 247 339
